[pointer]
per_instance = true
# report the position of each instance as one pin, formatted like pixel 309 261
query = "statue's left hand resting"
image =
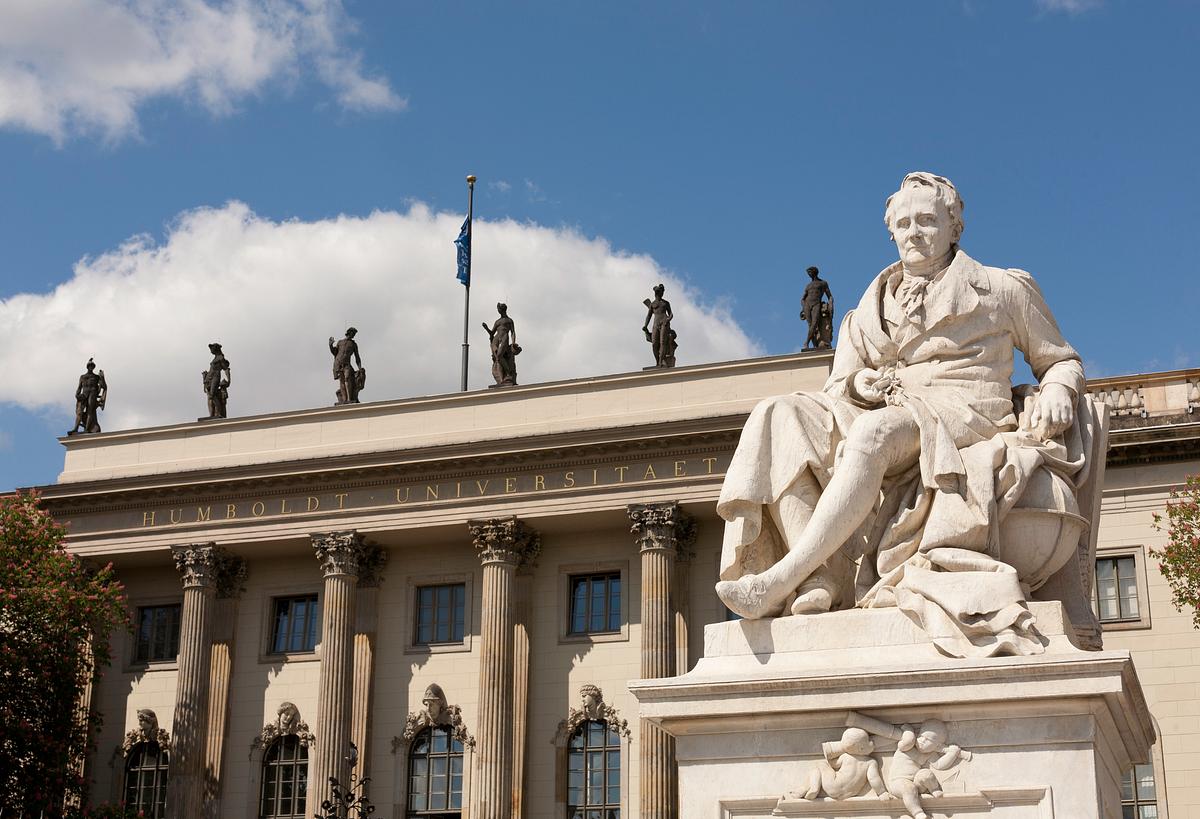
pixel 1054 411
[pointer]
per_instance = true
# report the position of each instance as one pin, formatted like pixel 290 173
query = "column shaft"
pixel 523 613
pixel 333 698
pixel 364 666
pixel 220 677
pixel 189 726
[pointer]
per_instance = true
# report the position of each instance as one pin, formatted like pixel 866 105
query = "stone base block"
pixel 1046 736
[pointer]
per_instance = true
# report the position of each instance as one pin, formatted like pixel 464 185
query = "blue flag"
pixel 463 242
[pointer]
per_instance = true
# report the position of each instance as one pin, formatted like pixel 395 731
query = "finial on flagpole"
pixel 471 180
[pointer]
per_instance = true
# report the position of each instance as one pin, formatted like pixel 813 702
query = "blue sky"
pixel 719 147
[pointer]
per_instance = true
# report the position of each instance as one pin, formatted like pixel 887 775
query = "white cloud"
pixel 83 66
pixel 272 293
pixel 500 185
pixel 1068 6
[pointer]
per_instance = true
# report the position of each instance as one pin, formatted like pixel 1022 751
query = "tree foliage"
pixel 56 615
pixel 1180 557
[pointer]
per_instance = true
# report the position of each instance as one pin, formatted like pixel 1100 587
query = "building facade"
pixel 460 587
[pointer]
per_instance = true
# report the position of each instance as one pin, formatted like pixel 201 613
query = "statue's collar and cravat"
pixel 917 304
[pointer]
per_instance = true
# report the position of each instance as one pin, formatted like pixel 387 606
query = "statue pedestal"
pixel 1048 736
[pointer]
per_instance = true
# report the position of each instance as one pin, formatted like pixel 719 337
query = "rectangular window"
pixel 595 601
pixel 1116 593
pixel 296 622
pixel 441 614
pixel 1139 799
pixel 157 634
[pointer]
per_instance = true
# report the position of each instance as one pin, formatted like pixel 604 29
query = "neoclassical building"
pixel 449 594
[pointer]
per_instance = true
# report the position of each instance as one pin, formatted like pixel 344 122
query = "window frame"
pixel 296 764
pixel 566 573
pixel 266 653
pixel 1137 552
pixel 583 729
pixel 454 590
pixel 129 654
pixel 413 584
pixel 1135 801
pixel 162 764
pixel 450 753
pixel 137 637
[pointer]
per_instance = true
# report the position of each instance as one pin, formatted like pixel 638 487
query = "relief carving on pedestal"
pixel 436 713
pixel 851 769
pixel 287 723
pixel 147 731
pixel 593 707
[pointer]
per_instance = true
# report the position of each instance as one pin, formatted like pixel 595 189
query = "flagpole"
pixel 466 345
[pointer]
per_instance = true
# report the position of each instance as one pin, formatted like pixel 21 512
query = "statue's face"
pixel 589 701
pixel 927 742
pixel 920 225
pixel 287 720
pixel 434 705
pixel 146 722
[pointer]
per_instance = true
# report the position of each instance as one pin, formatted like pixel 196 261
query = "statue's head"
pixel 91 365
pixel 659 290
pixel 813 273
pixel 147 721
pixel 857 741
pixel 435 701
pixel 931 736
pixel 592 696
pixel 288 717
pixel 351 332
pixel 502 308
pixel 214 348
pixel 924 218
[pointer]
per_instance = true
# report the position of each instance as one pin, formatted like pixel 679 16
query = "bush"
pixel 1180 558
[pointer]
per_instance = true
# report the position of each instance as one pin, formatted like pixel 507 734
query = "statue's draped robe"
pixel 950 342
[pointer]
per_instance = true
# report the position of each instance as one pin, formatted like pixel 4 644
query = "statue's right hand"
pixel 870 385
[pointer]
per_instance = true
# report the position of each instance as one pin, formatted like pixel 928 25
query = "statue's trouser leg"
pixel 879 442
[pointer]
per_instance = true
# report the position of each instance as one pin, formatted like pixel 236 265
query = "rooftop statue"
pixel 216 387
pixel 918 477
pixel 503 337
pixel 661 337
pixel 816 307
pixel 350 381
pixel 91 394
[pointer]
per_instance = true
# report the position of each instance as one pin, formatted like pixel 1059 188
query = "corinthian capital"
pixel 206 564
pixel 339 552
pixel 196 563
pixel 505 540
pixel 662 526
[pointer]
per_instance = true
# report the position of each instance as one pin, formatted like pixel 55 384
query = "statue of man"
pixel 350 381
pixel 661 337
pixel 920 405
pixel 503 336
pixel 216 387
pixel 817 309
pixel 91 395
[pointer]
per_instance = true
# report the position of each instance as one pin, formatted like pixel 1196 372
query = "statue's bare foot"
pixel 813 601
pixel 749 597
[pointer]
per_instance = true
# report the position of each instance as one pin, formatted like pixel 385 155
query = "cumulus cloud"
pixel 83 66
pixel 273 292
pixel 1068 6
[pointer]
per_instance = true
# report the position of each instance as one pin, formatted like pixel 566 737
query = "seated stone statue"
pixel 917 477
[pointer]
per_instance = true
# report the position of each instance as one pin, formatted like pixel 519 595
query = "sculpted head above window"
pixel 435 704
pixel 147 721
pixel 593 700
pixel 288 718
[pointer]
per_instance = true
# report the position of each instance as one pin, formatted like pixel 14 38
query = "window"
pixel 146 780
pixel 594 772
pixel 441 612
pixel 296 622
pixel 284 778
pixel 435 774
pixel 595 601
pixel 157 634
pixel 1116 592
pixel 1139 799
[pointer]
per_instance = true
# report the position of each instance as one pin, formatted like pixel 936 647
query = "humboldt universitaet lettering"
pixel 408 493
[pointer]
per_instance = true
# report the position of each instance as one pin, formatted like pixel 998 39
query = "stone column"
pixel 522 614
pixel 339 554
pixel 658 527
pixel 203 567
pixel 220 678
pixel 503 545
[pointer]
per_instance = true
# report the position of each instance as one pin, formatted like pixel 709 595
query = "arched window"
pixel 435 773
pixel 284 778
pixel 146 779
pixel 594 772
